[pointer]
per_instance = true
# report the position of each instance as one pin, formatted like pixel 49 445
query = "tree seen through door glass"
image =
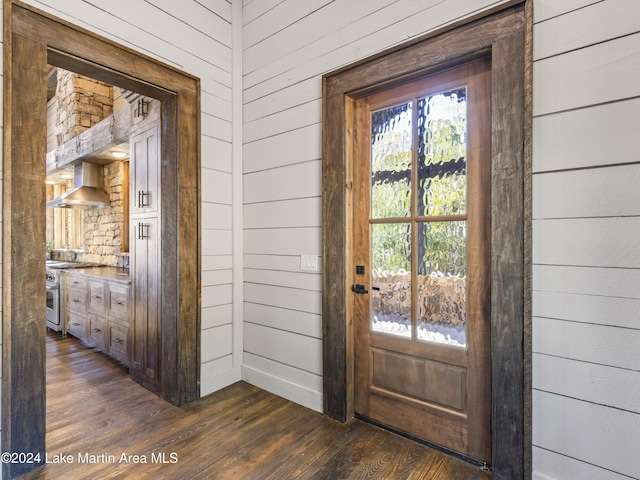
pixel 442 131
pixel 438 254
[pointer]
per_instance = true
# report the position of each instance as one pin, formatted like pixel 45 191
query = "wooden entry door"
pixel 422 258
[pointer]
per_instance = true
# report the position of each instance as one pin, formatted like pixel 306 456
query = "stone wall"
pixel 79 104
pixel 441 299
pixel 104 229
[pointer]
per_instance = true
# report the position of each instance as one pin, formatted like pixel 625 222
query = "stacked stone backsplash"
pixel 104 227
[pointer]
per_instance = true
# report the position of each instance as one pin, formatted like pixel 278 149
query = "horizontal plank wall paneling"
pixel 602 73
pixel 595 308
pixel 559 139
pixel 608 439
pixel 546 9
pixel 287 46
pixel 560 466
pixel 610 282
pixel 592 343
pixel 615 387
pixel 586 210
pixel 587 26
pixel 588 193
pixel 590 242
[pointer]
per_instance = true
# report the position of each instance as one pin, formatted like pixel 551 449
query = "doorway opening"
pixel 500 37
pixel 33 41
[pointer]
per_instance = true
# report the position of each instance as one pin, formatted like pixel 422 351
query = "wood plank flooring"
pixel 102 419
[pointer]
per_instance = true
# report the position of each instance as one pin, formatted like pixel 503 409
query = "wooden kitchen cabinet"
pixel 118 331
pixel 145 171
pixel 146 260
pixel 76 293
pixel 75 305
pixel 97 332
pixel 96 298
pixel 97 311
pixel 145 355
pixel 77 324
pixel 118 341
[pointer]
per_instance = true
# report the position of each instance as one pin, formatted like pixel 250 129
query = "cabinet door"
pixel 76 294
pixel 96 298
pixel 145 356
pixel 145 171
pixel 118 341
pixel 77 325
pixel 97 331
pixel 118 303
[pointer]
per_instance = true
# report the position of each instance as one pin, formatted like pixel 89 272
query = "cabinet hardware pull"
pixel 75 324
pixel 96 296
pixel 118 303
pixel 143 199
pixel 97 330
pixel 117 340
pixel 142 235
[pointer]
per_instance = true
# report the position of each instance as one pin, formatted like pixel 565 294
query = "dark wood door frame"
pixel 33 39
pixel 505 35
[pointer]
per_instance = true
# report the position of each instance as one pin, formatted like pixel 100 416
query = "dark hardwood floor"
pixel 106 424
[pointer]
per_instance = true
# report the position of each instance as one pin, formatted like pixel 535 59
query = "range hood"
pixel 88 189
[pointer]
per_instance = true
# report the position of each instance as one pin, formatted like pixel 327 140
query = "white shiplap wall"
pixel 586 210
pixel 288 46
pixel 196 37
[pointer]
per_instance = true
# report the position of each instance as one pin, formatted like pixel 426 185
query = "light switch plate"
pixel 309 263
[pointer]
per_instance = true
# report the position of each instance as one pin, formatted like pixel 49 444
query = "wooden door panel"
pixel 433 382
pixel 422 356
pixel 445 428
pixel 145 346
pixel 145 174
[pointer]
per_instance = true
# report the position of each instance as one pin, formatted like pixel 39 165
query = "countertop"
pixel 114 274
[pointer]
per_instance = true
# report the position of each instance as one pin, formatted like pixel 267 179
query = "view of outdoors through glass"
pixel 421 194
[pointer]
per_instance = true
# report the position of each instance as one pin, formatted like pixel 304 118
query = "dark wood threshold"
pixel 95 412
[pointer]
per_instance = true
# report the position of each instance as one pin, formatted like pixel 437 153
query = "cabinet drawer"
pixel 118 303
pixel 119 342
pixel 77 325
pixel 75 282
pixel 77 299
pixel 97 332
pixel 97 298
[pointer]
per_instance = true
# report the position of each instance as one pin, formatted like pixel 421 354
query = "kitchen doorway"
pixel 34 40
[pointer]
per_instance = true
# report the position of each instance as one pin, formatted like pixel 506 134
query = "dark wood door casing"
pixel 33 40
pixel 504 35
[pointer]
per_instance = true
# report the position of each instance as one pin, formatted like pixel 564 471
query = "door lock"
pixel 357 288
